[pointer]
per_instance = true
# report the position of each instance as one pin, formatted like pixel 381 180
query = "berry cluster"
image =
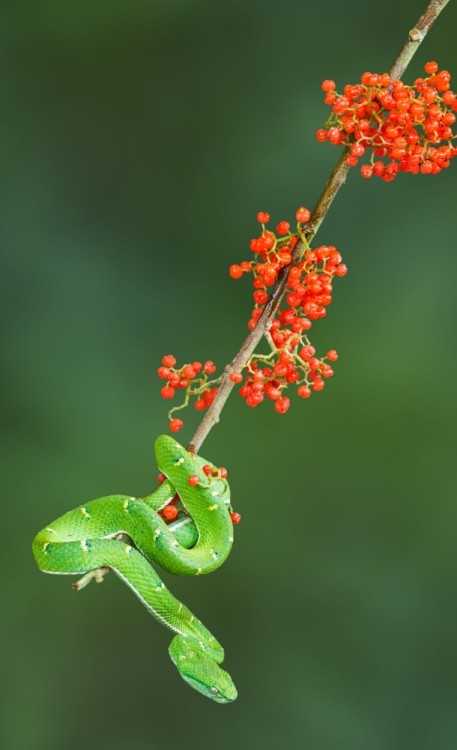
pixel 291 359
pixel 193 379
pixel 175 508
pixel 407 128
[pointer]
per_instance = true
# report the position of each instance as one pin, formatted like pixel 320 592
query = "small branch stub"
pixel 416 36
pixel 97 575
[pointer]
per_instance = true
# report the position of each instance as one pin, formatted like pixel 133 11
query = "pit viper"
pixel 125 534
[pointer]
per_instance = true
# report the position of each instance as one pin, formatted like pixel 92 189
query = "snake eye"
pixel 214 691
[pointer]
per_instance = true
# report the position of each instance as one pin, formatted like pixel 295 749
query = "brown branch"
pixel 337 179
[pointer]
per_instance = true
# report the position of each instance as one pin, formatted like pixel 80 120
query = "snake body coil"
pixel 92 537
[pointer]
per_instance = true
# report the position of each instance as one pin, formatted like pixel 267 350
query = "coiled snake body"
pixel 93 536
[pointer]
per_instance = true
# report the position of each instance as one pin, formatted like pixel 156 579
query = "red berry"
pixel 163 372
pixel 169 512
pixel 167 391
pixel 332 355
pixel 282 405
pixel 176 425
pixel 431 67
pixel 268 239
pixel 304 391
pixel 280 369
pixel 200 404
pixel 307 352
pixel 193 480
pixel 209 395
pixel 235 271
pixel 302 215
pixel 174 380
pixel 209 367
pixel 263 217
pixel 168 361
pixel 326 370
pixel 272 392
pixel 223 472
pixel 208 470
pixel 328 85
pixel 236 518
pixel 357 149
pixel 334 135
pixel 188 372
pixel 283 227
pixel 236 377
pixel 260 296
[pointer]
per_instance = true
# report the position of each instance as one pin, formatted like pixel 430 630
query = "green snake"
pixel 125 534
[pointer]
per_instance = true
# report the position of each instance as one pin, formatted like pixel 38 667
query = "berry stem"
pixel 337 179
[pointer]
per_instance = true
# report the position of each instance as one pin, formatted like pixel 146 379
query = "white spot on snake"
pixel 212 507
pixel 45 546
pixel 125 505
pixel 84 546
pixel 85 513
pixel 227 501
pixel 215 493
pixel 160 586
pixel 175 544
pixel 157 533
pixel 230 539
pixel 214 554
pixel 199 571
pixel 128 549
pixel 180 607
pixel 179 461
pixel 192 618
pixel 51 531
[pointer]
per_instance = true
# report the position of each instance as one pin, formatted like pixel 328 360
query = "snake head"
pixel 222 692
pixel 171 457
pixel 177 463
pixel 201 671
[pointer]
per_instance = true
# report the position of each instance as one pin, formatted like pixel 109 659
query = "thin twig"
pixel 337 179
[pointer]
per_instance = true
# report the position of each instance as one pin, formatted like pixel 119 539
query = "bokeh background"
pixel 138 141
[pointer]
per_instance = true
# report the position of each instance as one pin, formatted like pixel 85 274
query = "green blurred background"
pixel 138 141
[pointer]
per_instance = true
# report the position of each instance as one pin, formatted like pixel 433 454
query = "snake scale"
pixel 125 534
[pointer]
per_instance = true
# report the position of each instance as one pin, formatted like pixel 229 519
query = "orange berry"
pixel 302 215
pixel 176 425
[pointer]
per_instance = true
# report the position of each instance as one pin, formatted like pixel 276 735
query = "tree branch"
pixel 337 179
